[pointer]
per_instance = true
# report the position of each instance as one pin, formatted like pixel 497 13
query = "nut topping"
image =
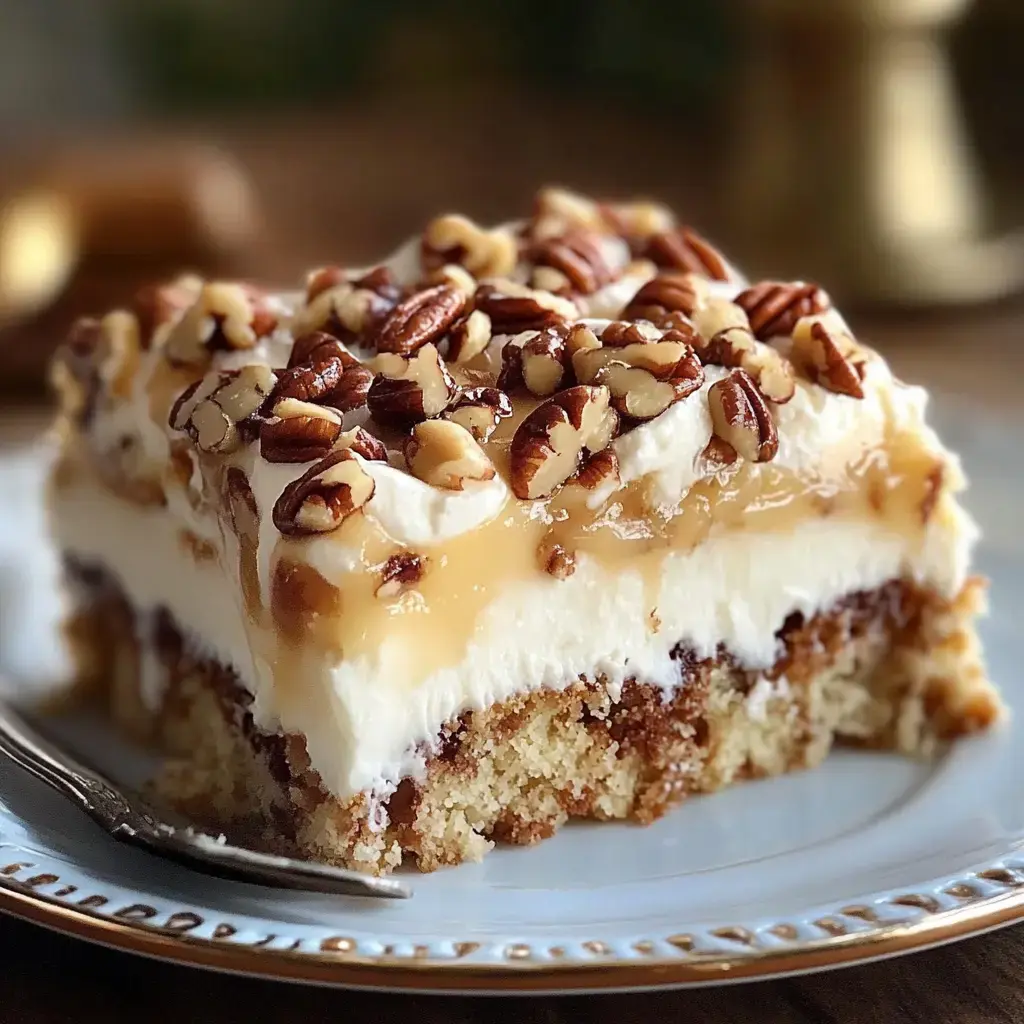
pixel 324 496
pixel 514 308
pixel 299 432
pixel 545 361
pixel 741 418
pixel 421 319
pixel 443 454
pixel 666 299
pixel 578 257
pixel 157 305
pixel 469 337
pixel 224 316
pixel 644 378
pixel 457 239
pixel 550 444
pixel 480 410
pixel 410 389
pixel 343 307
pixel 327 377
pixel 401 571
pixel 824 357
pixel 683 249
pixel 363 443
pixel 319 347
pixel 620 333
pixel 221 412
pixel 726 340
pixel 598 470
pixel 774 307
pixel 557 211
pixel 555 560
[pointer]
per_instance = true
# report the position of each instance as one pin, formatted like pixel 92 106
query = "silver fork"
pixel 131 820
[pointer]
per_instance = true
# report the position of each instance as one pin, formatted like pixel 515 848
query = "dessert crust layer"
pixel 894 668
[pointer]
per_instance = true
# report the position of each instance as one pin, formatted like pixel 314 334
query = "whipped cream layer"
pixel 370 698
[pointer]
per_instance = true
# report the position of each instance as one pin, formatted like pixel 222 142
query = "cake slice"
pixel 558 519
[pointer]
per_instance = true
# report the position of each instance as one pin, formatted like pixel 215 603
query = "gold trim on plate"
pixel 134 928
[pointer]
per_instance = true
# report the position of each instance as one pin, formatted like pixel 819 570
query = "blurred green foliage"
pixel 185 53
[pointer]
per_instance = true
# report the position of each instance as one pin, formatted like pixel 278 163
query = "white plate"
pixel 869 855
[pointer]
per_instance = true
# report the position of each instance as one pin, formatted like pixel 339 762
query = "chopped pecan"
pixel 157 305
pixel 444 454
pixel 577 256
pixel 222 411
pixel 422 318
pixel 510 377
pixel 480 410
pixel 740 417
pixel 402 570
pixel 825 358
pixel 299 431
pixel 598 469
pixel 454 276
pixel 319 347
pixel 324 496
pixel 665 299
pixel 683 249
pixel 774 307
pixel 717 455
pixel 514 308
pixel 345 307
pixel 555 560
pixel 580 337
pixel 545 361
pixel 469 337
pixel 409 389
pixel 456 239
pixel 363 443
pixel 557 211
pixel 550 444
pixel 725 339
pixel 224 316
pixel 620 333
pixel 637 220
pixel 241 506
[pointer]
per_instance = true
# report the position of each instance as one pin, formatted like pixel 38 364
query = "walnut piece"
pixel 480 410
pixel 224 316
pixel 324 496
pixel 774 307
pixel 457 239
pixel 445 454
pixel 409 389
pixel 825 357
pixel 740 417
pixel 222 411
pixel 550 444
pixel 424 317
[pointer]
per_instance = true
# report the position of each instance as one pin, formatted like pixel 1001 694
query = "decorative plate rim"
pixel 981 900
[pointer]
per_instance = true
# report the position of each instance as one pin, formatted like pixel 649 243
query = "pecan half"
pixel 665 299
pixel 319 347
pixel 410 389
pixel 326 377
pixel 444 454
pixel 740 417
pixel 402 570
pixel 577 256
pixel 545 361
pixel 774 307
pixel 550 444
pixel 222 411
pixel 422 318
pixel 299 431
pixel 456 239
pixel 514 308
pixel 480 410
pixel 224 316
pixel 725 339
pixel 824 357
pixel 469 337
pixel 324 496
pixel 683 249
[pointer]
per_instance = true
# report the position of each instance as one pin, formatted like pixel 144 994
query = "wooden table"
pixel 976 354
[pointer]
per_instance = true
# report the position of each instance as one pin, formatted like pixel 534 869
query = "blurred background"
pixel 875 145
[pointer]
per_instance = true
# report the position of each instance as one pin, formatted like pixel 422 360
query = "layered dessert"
pixel 559 519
